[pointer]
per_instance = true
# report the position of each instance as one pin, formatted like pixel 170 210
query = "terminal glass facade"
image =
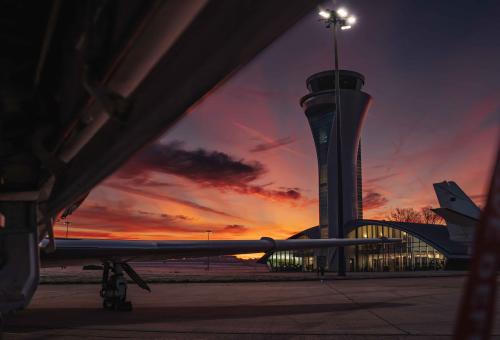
pixel 410 255
pixel 291 261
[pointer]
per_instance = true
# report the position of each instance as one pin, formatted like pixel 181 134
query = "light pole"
pixel 67 224
pixel 208 257
pixel 339 18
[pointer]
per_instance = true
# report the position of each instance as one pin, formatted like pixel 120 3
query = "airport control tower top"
pixel 325 81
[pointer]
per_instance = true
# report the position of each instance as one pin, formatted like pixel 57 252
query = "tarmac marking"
pixel 367 309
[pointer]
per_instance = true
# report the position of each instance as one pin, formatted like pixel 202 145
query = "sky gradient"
pixel 242 161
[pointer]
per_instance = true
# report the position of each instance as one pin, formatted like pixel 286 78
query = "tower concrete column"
pixel 319 107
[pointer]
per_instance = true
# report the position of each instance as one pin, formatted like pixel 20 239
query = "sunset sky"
pixel 242 161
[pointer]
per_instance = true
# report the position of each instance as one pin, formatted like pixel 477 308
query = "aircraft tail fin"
pixel 458 210
pixel 452 197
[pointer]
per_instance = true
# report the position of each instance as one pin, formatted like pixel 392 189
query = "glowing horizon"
pixel 242 162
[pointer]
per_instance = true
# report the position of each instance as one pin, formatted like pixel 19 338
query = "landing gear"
pixel 114 286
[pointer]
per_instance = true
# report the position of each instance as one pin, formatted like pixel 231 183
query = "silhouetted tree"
pixel 430 217
pixel 405 215
pixel 425 215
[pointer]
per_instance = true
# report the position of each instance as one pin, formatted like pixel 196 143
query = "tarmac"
pixel 219 272
pixel 382 308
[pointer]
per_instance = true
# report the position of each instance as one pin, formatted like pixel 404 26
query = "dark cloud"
pixel 166 216
pixel 144 181
pixel 209 168
pixel 206 168
pixel 182 217
pixel 286 188
pixel 373 200
pixel 277 195
pixel 121 220
pixel 145 212
pixel 118 218
pixel 272 145
pixel 235 228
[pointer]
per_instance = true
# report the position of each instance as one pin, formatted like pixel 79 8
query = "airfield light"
pixel 342 12
pixel 339 18
pixel 324 14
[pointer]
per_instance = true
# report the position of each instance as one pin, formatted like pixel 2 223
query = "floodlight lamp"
pixel 342 12
pixel 351 20
pixel 347 27
pixel 324 14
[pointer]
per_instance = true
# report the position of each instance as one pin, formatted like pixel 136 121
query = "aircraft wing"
pixel 88 251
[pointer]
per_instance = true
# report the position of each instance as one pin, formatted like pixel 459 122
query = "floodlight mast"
pixel 339 18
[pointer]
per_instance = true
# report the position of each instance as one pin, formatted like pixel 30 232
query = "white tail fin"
pixel 452 197
pixel 459 211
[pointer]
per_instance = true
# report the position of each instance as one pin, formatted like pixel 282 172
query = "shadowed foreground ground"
pixel 397 308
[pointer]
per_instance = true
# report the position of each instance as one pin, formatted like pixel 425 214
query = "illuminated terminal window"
pixel 289 261
pixel 411 254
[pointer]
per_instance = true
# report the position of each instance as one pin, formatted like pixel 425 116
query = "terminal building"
pixel 423 247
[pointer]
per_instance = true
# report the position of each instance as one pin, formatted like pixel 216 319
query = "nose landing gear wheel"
pixel 109 304
pixel 114 289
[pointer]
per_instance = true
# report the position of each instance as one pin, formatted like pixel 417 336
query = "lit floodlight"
pixel 351 20
pixel 342 12
pixel 325 14
pixel 347 27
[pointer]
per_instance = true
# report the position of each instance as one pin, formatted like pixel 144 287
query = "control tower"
pixel 319 107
